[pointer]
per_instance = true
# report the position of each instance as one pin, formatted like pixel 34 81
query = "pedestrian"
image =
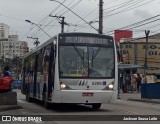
pixel 5 83
pixel 138 79
pixel 128 82
pixel 143 79
pixel 6 69
pixel 133 82
pixel 154 78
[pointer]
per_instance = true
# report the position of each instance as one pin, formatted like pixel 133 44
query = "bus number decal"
pixel 99 83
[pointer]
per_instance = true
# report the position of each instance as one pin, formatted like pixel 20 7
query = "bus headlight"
pixel 63 86
pixel 109 87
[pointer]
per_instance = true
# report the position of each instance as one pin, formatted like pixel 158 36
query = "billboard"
pixel 118 34
pixel 134 52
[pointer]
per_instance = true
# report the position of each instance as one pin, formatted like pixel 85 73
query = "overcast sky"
pixel 117 14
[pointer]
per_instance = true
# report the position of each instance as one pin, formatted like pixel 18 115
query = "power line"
pixel 57 13
pixel 12 18
pixel 127 9
pixel 134 24
pixel 76 14
pixel 119 6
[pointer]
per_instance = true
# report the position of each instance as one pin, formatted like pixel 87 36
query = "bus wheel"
pixel 96 106
pixel 45 103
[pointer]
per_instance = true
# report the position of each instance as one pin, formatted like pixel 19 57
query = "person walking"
pixel 143 79
pixel 5 83
pixel 138 79
pixel 133 83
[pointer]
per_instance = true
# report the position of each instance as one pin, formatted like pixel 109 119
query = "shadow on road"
pixel 61 107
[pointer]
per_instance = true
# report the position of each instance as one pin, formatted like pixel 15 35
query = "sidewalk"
pixel 137 97
pixel 8 101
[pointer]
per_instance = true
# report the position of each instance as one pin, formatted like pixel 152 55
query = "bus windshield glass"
pixel 86 61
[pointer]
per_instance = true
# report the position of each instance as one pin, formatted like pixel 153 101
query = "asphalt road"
pixel 79 114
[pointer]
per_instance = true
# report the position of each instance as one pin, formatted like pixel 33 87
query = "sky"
pixel 116 14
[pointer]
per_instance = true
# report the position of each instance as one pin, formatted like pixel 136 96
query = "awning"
pixel 128 66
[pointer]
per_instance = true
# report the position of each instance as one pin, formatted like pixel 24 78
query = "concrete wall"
pixel 8 98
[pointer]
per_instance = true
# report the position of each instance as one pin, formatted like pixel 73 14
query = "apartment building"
pixel 4 31
pixel 11 47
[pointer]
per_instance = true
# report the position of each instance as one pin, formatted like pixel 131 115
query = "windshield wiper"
pixel 94 55
pixel 79 53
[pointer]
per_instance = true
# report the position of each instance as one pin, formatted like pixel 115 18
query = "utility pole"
pixel 100 17
pixel 146 51
pixel 62 22
pixel 36 42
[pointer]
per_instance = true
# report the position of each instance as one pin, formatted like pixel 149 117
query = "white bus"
pixel 79 68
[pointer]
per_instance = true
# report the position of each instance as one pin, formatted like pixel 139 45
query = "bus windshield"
pixel 86 61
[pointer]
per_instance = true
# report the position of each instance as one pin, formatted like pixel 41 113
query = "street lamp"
pixel 75 14
pixel 38 27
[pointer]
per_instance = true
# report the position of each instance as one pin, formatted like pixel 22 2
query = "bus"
pixel 77 68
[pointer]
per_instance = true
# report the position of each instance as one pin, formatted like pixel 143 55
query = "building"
pixel 12 47
pixel 4 31
pixel 134 51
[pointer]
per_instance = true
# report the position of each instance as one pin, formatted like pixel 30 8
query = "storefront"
pixel 124 72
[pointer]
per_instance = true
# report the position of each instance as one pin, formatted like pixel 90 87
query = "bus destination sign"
pixel 88 40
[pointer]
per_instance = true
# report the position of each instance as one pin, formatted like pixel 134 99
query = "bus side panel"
pixel 115 93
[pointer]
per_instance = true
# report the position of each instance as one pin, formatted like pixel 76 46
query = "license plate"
pixel 87 94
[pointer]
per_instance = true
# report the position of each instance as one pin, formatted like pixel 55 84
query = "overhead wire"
pixel 73 6
pixel 134 24
pixel 44 20
pixel 128 9
pixel 124 10
pixel 61 12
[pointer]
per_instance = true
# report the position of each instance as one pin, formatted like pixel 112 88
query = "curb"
pixel 145 100
pixel 7 108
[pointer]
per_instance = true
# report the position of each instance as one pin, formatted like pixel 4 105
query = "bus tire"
pixel 45 103
pixel 96 106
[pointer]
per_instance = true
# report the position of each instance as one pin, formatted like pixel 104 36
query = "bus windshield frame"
pixel 85 59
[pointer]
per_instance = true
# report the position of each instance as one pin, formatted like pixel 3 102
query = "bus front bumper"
pixel 86 96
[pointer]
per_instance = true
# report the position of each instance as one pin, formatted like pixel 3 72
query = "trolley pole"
pixel 100 17
pixel 146 52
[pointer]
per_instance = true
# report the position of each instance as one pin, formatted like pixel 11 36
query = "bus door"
pixel 51 71
pixel 35 76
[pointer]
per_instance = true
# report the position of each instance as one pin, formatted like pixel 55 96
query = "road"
pixel 80 112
